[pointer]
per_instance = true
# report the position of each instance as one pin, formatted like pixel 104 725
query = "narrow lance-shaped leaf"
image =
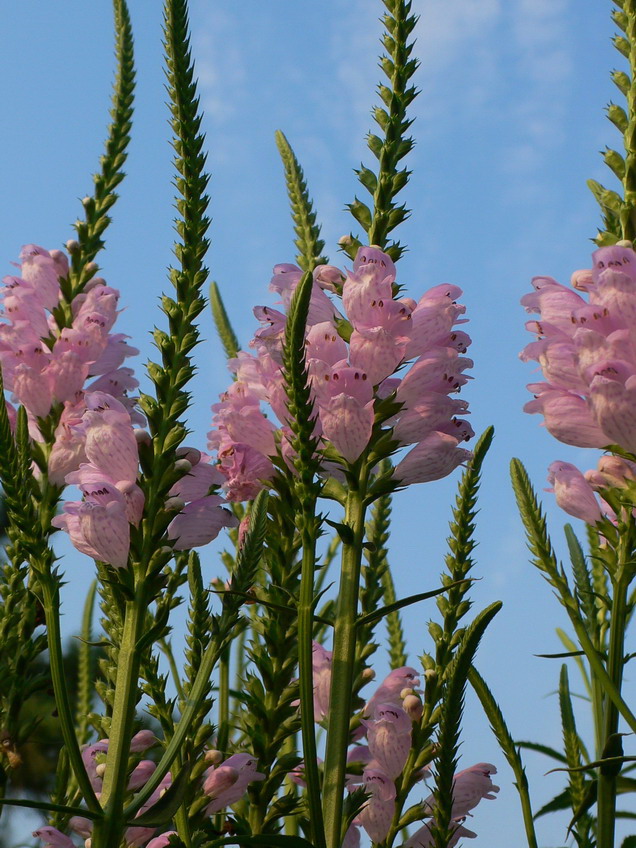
pixel 571 742
pixel 509 748
pixel 227 335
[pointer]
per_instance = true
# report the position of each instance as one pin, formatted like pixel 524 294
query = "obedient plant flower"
pixel 353 351
pixel 377 814
pixel 573 492
pixel 424 838
pixel 99 525
pixel 586 353
pixel 470 786
pixel 45 364
pixel 389 738
pixel 226 783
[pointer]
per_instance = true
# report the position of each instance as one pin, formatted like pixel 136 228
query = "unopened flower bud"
pixel 191 454
pixel 144 739
pixel 95 281
pixel 142 437
pixel 91 268
pixel 343 241
pixel 412 706
pixel 183 466
pixel 430 675
pixel 624 243
pixel 72 245
pixel 61 262
pixel 174 504
pixel 100 769
pixel 88 842
pixel 368 674
pixel 213 756
pixel 406 692
pixel 86 201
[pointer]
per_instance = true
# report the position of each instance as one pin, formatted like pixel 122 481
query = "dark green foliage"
pixel 90 231
pixel 172 375
pixel 619 212
pixel 391 117
pixel 450 722
pixel 308 241
pixel 577 788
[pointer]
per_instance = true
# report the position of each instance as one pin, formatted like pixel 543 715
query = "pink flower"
pixel 227 788
pixel 389 735
pixel 586 352
pixel 377 814
pixel 431 459
pixel 470 786
pixel 388 692
pixel 53 838
pixel 162 840
pixel 573 492
pixel 199 522
pixel 351 363
pixel 423 838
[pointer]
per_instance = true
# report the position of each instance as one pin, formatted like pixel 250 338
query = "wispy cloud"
pixel 221 68
pixel 541 73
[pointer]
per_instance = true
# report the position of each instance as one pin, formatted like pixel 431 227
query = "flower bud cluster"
pixel 387 725
pixel 587 352
pixel 44 364
pixel 352 357
pixel 224 784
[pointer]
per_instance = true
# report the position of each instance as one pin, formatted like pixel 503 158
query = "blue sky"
pixel 509 125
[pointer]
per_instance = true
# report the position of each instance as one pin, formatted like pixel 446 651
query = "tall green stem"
pixel 607 776
pixel 224 700
pixel 108 833
pixel 344 649
pixel 305 662
pixel 51 597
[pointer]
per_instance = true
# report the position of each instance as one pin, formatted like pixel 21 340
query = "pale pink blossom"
pixel 53 838
pixel 377 814
pixel 573 492
pixel 389 738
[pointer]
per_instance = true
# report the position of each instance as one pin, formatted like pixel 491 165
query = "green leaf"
pixel 163 811
pixel 405 602
pixel 361 213
pixel 571 741
pixel 308 240
pixel 452 708
pixel 509 748
pixel 224 329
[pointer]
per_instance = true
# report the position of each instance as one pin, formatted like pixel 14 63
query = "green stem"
pixel 224 701
pixel 607 781
pixel 344 650
pixel 51 598
pixel 166 648
pixel 306 683
pixel 108 833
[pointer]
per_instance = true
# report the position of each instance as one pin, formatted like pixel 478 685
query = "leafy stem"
pixel 343 663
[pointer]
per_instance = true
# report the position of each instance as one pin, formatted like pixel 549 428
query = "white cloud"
pixel 220 65
pixel 447 29
pixel 543 67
